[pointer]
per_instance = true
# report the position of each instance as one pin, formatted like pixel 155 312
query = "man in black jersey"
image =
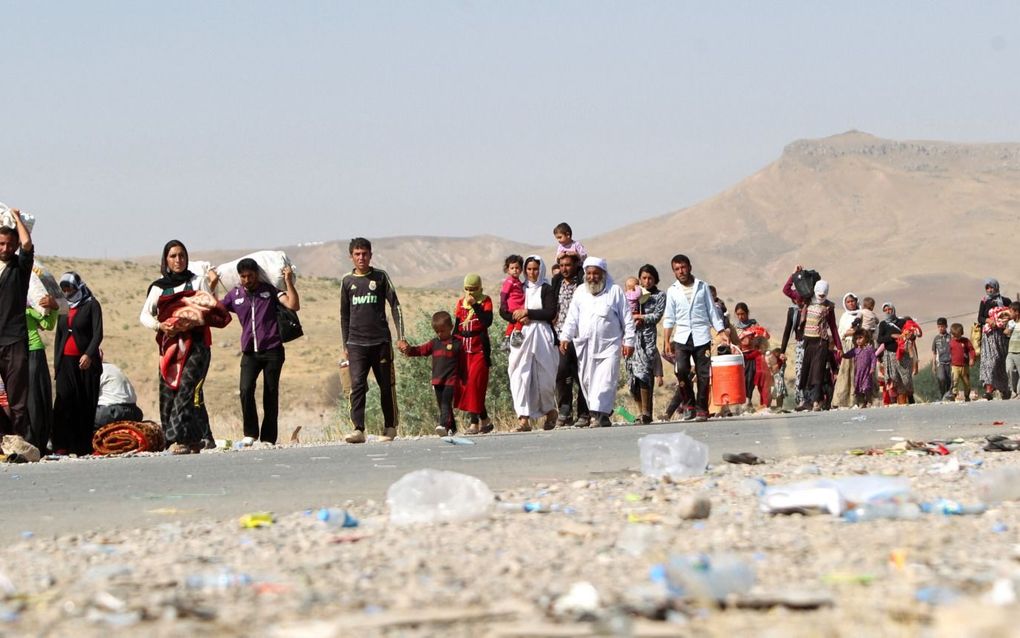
pixel 366 338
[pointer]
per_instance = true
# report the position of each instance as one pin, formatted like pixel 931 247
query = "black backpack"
pixel 804 283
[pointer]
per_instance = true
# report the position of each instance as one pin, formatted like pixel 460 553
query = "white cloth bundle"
pixel 271 263
pixel 42 283
pixel 7 218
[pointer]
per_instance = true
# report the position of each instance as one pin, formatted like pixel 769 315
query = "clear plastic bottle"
pixel 882 511
pixel 999 485
pixel 952 508
pixel 709 578
pixel 336 517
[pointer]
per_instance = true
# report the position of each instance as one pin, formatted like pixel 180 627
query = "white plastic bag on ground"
pixel 271 263
pixel 436 496
pixel 675 454
pixel 834 496
pixel 42 283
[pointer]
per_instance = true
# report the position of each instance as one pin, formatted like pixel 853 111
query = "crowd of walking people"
pixel 568 339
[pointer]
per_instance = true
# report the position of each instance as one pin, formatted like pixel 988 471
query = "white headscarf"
pixel 541 272
pixel 821 288
pixel 601 264
pixel 533 289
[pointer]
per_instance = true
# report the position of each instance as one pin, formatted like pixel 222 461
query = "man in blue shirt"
pixel 255 304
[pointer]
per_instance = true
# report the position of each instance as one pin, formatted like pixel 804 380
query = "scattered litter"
pixel 336 517
pixel 458 440
pixel 676 455
pixel 742 458
pixel 579 604
pixel 221 580
pixel 833 496
pixel 256 520
pixel 436 496
pixel 952 508
pixel 708 578
pixel 936 596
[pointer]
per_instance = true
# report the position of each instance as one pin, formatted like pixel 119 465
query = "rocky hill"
pixel 921 223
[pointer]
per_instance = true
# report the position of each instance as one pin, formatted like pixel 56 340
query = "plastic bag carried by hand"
pixel 436 496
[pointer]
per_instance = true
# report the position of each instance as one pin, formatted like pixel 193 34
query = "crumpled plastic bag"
pixel 13 444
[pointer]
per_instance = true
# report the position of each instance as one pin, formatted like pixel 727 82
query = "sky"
pixel 261 124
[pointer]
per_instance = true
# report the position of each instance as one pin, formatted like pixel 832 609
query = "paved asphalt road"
pixel 63 497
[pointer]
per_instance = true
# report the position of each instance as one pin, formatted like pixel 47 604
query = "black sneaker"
pixel 688 415
pixel 701 417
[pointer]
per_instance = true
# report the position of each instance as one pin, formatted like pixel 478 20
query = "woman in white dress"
pixel 532 365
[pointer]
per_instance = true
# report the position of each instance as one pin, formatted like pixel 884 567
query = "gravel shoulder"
pixel 508 574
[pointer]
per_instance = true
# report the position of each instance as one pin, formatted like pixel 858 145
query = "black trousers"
pixel 566 376
pixel 379 359
pixel 106 414
pixel 14 372
pixel 74 410
pixel 444 397
pixel 684 353
pixel 270 365
pixel 40 400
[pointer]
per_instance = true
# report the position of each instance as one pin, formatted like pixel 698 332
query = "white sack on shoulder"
pixel 271 263
pixel 42 283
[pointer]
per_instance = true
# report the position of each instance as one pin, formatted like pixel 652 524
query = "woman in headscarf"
pixel 532 365
pixel 645 365
pixel 181 399
pixel 78 365
pixel 849 322
pixel 472 319
pixel 819 336
pixel 994 342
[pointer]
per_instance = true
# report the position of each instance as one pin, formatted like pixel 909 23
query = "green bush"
pixel 926 387
pixel 416 400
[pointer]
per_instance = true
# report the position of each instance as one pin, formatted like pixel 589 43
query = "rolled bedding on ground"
pixel 121 437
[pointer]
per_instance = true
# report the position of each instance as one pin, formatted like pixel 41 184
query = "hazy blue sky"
pixel 254 124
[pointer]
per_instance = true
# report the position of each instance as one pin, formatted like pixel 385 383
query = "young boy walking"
pixel 941 360
pixel 448 375
pixel 961 359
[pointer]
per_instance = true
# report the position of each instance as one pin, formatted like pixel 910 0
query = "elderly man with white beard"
pixel 601 327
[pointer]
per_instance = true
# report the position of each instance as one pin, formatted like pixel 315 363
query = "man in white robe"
pixel 601 328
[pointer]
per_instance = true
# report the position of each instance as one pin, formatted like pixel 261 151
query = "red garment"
pixel 473 334
pixel 762 380
pixel 71 346
pixel 193 310
pixel 961 352
pixel 910 328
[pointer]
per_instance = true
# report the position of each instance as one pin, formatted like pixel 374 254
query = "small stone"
pixel 694 507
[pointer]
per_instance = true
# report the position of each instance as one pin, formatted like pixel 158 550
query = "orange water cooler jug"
pixel 728 379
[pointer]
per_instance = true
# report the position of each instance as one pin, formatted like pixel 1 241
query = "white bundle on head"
pixel 7 218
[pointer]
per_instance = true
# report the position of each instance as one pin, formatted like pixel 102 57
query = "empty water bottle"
pixel 952 508
pixel 709 578
pixel 336 517
pixel 882 511
pixel 999 485
pixel 676 454
pixel 223 579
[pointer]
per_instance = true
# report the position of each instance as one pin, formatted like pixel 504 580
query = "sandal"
pixel 743 458
pixel 179 448
pixel 523 424
pixel 487 426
